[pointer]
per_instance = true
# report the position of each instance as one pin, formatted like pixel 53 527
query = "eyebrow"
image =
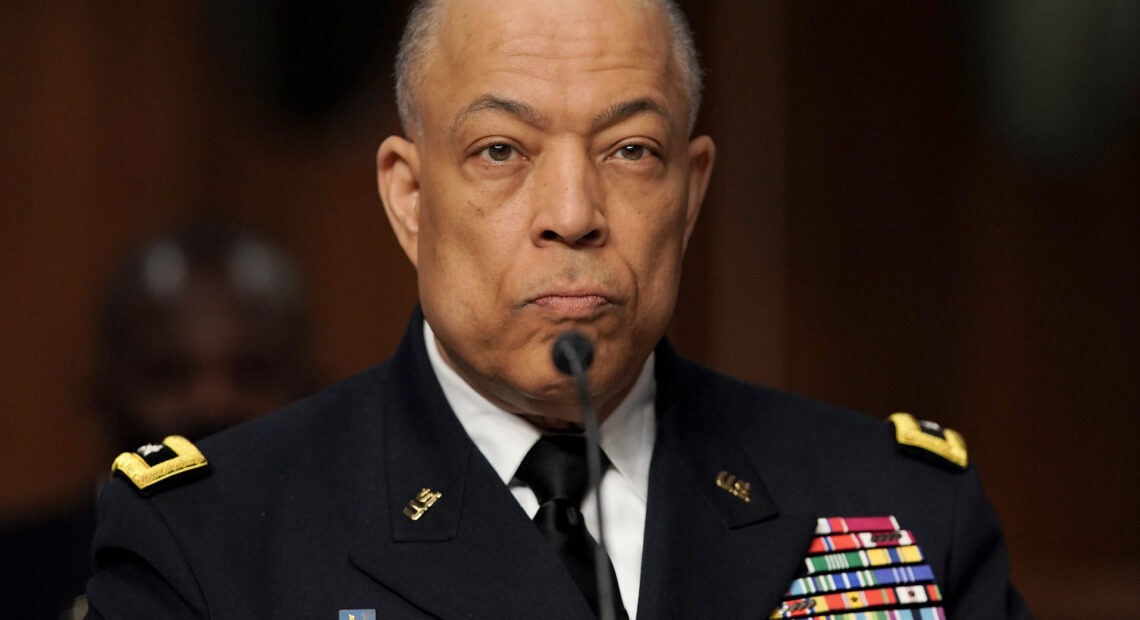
pixel 513 107
pixel 623 110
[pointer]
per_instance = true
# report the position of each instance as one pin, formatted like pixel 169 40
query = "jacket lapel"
pixel 714 547
pixel 471 552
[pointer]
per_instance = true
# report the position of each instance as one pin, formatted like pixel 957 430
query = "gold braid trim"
pixel 909 433
pixel 143 475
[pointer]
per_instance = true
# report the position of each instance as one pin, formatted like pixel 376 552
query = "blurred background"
pixel 927 207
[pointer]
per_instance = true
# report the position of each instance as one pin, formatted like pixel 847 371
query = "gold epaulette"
pixel 929 441
pixel 155 467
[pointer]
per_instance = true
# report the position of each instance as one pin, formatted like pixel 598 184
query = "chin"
pixel 551 395
pixel 556 415
pixel 559 398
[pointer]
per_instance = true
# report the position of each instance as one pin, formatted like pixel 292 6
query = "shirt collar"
pixel 504 438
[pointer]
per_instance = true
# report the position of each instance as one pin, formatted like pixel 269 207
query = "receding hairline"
pixel 423 26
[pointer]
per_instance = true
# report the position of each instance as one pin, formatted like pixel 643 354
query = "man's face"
pixel 552 187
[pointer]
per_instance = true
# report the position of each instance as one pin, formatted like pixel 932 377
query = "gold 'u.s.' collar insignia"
pixel 930 441
pixel 738 488
pixel 423 500
pixel 155 467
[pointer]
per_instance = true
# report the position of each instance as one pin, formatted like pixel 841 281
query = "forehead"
pixel 564 58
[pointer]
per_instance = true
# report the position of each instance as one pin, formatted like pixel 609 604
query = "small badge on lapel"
pixel 423 500
pixel 357 614
pixel 738 488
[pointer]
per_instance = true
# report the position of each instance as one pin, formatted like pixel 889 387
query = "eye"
pixel 632 152
pixel 499 153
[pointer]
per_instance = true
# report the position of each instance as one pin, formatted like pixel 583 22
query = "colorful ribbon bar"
pixel 860 540
pixel 834 582
pixel 857 599
pixel 885 556
pixel 844 525
pixel 924 613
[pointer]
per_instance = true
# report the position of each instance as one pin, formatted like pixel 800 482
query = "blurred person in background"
pixel 200 328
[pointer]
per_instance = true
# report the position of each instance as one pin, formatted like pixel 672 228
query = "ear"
pixel 398 179
pixel 702 155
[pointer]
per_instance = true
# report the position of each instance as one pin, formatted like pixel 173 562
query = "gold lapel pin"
pixel 420 503
pixel 738 488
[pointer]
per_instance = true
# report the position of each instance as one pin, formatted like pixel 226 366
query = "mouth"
pixel 571 305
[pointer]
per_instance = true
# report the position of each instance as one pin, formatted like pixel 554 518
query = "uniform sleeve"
pixel 978 585
pixel 140 569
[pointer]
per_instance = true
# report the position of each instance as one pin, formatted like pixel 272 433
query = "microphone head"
pixel 572 345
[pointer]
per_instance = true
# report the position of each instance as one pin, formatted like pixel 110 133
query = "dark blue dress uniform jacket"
pixel 302 513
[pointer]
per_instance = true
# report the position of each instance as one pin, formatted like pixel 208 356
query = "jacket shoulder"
pixel 807 426
pixel 267 445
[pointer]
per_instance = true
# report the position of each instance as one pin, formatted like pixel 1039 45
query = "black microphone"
pixel 573 353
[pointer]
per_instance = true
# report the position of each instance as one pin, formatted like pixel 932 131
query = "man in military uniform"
pixel 548 182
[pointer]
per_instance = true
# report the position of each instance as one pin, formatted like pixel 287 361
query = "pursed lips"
pixel 571 305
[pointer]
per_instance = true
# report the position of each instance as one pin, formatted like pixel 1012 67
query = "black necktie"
pixel 555 469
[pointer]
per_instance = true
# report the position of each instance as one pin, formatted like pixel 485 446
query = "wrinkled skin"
pixel 552 184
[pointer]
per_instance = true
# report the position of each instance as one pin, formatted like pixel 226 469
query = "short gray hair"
pixel 423 26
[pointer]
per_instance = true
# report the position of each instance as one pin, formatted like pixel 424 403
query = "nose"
pixel 569 202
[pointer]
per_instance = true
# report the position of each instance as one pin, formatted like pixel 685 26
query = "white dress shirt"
pixel 626 437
